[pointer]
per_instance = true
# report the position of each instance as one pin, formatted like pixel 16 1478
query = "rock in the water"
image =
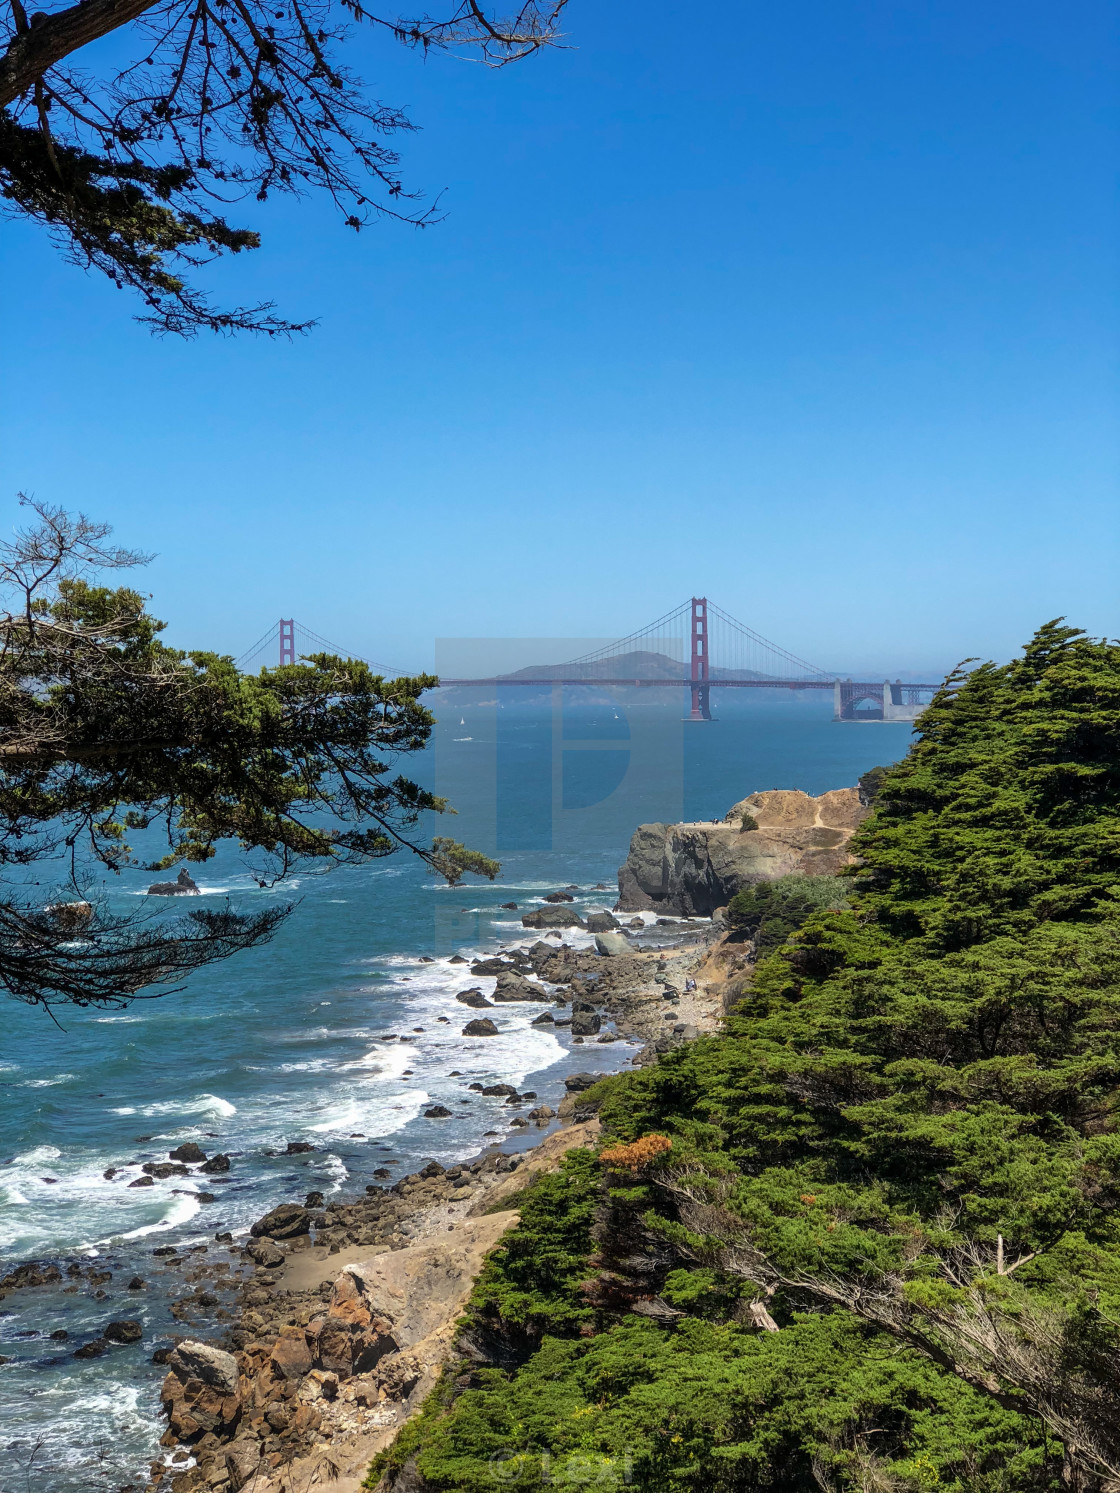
pixel 124 1332
pixel 194 1360
pixel 552 917
pixel 514 987
pixel 575 1083
pixel 508 906
pixel 457 959
pixel 559 897
pixel 437 1112
pixel 285 1222
pixel 70 917
pixel 585 1024
pixel 542 1112
pixel 298 1147
pixel 546 1018
pixel 143 1182
pixel 136 1283
pixel 93 1349
pixel 313 1200
pixel 692 869
pixel 482 1026
pixel 182 886
pixel 612 944
pixel 601 922
pixel 34 1273
pixel 500 1091
pixel 218 1163
pixel 189 1151
pixel 474 998
pixel 495 966
pixel 164 1169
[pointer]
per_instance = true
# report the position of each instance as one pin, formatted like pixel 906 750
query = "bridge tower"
pixel 287 641
pixel 698 673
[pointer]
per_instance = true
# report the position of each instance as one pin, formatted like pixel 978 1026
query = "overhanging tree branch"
pixel 223 100
pixel 104 731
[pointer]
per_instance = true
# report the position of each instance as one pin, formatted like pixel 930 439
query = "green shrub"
pixel 770 911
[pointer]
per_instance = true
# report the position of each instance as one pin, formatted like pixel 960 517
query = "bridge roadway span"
pixel 688 683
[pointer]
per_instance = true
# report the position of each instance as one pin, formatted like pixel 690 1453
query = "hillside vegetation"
pixel 867 1238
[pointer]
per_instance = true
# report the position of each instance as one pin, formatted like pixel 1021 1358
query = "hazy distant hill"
pixel 636 665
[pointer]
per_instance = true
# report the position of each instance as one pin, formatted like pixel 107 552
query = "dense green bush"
pixel 902 1155
pixel 770 911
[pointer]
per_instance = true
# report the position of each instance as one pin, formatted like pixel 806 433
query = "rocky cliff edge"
pixel 691 869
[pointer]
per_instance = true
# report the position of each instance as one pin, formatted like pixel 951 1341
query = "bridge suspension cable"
pixel 283 637
pixel 733 650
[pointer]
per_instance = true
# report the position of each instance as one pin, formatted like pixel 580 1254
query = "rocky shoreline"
pixel 345 1313
pixel 309 1359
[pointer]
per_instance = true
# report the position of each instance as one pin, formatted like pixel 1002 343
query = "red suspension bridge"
pixel 697 646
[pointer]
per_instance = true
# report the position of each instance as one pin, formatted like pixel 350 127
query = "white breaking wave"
pixel 183 1208
pixel 202 1104
pixel 40 1153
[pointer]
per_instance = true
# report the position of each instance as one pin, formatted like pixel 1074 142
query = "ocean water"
pixel 290 1042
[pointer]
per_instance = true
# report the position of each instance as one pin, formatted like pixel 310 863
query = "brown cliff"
pixel 691 869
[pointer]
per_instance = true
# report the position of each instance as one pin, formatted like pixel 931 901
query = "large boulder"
pixel 353 1334
pixel 189 1151
pixel 482 1026
pixel 264 1253
pixel 513 987
pixel 125 1331
pixel 585 1024
pixel 495 966
pixel 475 999
pixel 552 917
pixel 612 944
pixel 601 922
pixel 284 1222
pixel 575 1083
pixel 693 869
pixel 194 1360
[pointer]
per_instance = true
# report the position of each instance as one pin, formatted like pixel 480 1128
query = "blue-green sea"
pixel 286 1042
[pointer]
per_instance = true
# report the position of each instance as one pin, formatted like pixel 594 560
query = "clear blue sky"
pixel 812 309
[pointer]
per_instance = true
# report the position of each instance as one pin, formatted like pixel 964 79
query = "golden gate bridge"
pixel 697 646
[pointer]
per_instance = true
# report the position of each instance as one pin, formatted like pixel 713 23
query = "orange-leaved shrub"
pixel 637 1153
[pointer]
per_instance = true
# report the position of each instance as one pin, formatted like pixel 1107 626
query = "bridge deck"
pixel 688 683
